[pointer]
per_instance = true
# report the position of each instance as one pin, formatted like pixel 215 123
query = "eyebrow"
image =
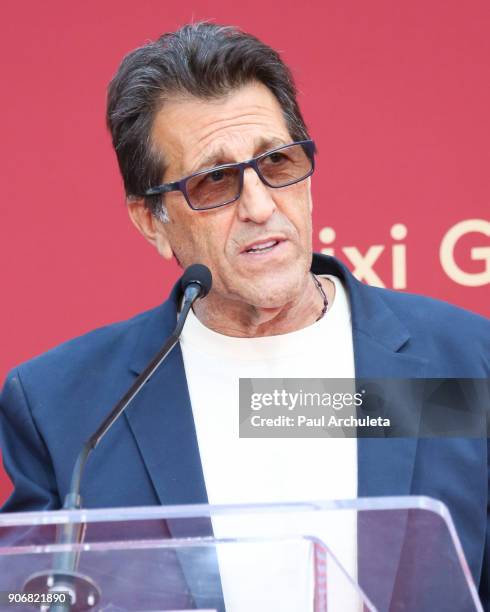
pixel 216 157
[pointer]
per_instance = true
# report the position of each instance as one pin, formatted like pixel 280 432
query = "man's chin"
pixel 274 295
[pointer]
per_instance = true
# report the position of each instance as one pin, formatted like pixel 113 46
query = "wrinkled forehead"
pixel 191 133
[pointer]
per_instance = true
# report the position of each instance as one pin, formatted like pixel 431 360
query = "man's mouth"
pixel 262 247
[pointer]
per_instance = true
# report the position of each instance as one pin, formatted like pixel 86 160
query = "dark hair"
pixel 202 59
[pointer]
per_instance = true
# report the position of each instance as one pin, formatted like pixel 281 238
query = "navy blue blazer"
pixel 50 405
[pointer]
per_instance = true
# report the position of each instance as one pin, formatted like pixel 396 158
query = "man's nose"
pixel 256 202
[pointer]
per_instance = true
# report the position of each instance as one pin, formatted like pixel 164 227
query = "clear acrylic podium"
pixel 385 554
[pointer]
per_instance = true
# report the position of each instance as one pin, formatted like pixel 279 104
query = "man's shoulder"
pixel 109 343
pixel 441 331
pixel 422 310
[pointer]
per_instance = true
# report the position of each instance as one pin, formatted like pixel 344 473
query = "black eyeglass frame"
pixel 308 146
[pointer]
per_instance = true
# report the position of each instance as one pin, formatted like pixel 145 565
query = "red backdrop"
pixel 396 95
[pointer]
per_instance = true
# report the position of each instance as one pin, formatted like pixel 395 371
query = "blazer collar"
pixel 371 317
pixel 159 324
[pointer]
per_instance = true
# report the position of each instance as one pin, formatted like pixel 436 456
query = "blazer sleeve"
pixel 25 456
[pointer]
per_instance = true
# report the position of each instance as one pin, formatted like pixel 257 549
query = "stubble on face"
pixel 253 294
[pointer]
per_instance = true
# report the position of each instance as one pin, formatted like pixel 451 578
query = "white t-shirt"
pixel 257 470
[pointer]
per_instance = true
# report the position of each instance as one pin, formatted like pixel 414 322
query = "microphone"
pixel 195 283
pixel 197 274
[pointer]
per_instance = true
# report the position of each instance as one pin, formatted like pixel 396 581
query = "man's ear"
pixel 152 228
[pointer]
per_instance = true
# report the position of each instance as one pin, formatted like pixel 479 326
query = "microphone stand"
pixel 82 592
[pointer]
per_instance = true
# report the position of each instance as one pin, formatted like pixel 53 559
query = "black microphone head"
pixel 200 274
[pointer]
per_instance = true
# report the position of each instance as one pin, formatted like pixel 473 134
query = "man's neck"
pixel 246 321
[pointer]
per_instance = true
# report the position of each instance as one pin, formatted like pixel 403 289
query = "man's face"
pixel 194 135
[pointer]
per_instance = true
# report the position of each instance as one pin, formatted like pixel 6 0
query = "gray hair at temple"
pixel 203 59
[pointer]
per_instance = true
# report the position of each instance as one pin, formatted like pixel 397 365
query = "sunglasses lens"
pixel 210 189
pixel 286 166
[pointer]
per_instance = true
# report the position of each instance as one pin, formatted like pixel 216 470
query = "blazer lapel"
pixel 162 423
pixel 385 465
pixel 161 416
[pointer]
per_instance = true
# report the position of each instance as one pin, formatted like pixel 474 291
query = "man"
pixel 185 112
